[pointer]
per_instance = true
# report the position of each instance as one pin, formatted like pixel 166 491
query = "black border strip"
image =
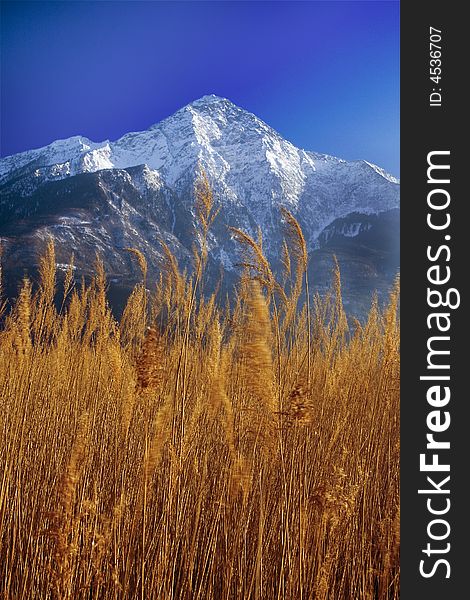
pixel 425 129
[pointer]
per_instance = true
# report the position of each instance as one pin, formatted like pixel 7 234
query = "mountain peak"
pixel 215 107
pixel 209 105
pixel 210 99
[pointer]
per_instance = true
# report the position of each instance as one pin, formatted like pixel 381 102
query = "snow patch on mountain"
pixel 349 230
pixel 382 172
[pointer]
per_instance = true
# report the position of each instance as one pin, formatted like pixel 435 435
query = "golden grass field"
pixel 198 451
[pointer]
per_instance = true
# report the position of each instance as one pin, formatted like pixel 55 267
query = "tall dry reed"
pixel 194 451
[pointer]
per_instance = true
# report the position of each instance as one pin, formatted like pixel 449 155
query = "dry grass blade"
pixel 141 261
pixel 194 450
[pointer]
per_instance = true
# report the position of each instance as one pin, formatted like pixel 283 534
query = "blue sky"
pixel 324 74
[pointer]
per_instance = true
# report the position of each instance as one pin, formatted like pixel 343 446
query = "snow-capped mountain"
pixel 111 195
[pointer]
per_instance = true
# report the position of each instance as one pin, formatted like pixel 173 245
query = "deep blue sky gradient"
pixel 324 74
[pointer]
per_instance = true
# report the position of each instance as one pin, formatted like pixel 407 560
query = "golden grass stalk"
pixel 188 451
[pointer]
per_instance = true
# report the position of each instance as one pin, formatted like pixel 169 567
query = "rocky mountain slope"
pixel 108 196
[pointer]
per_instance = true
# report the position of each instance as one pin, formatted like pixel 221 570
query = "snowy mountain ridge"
pixel 104 197
pixel 247 161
